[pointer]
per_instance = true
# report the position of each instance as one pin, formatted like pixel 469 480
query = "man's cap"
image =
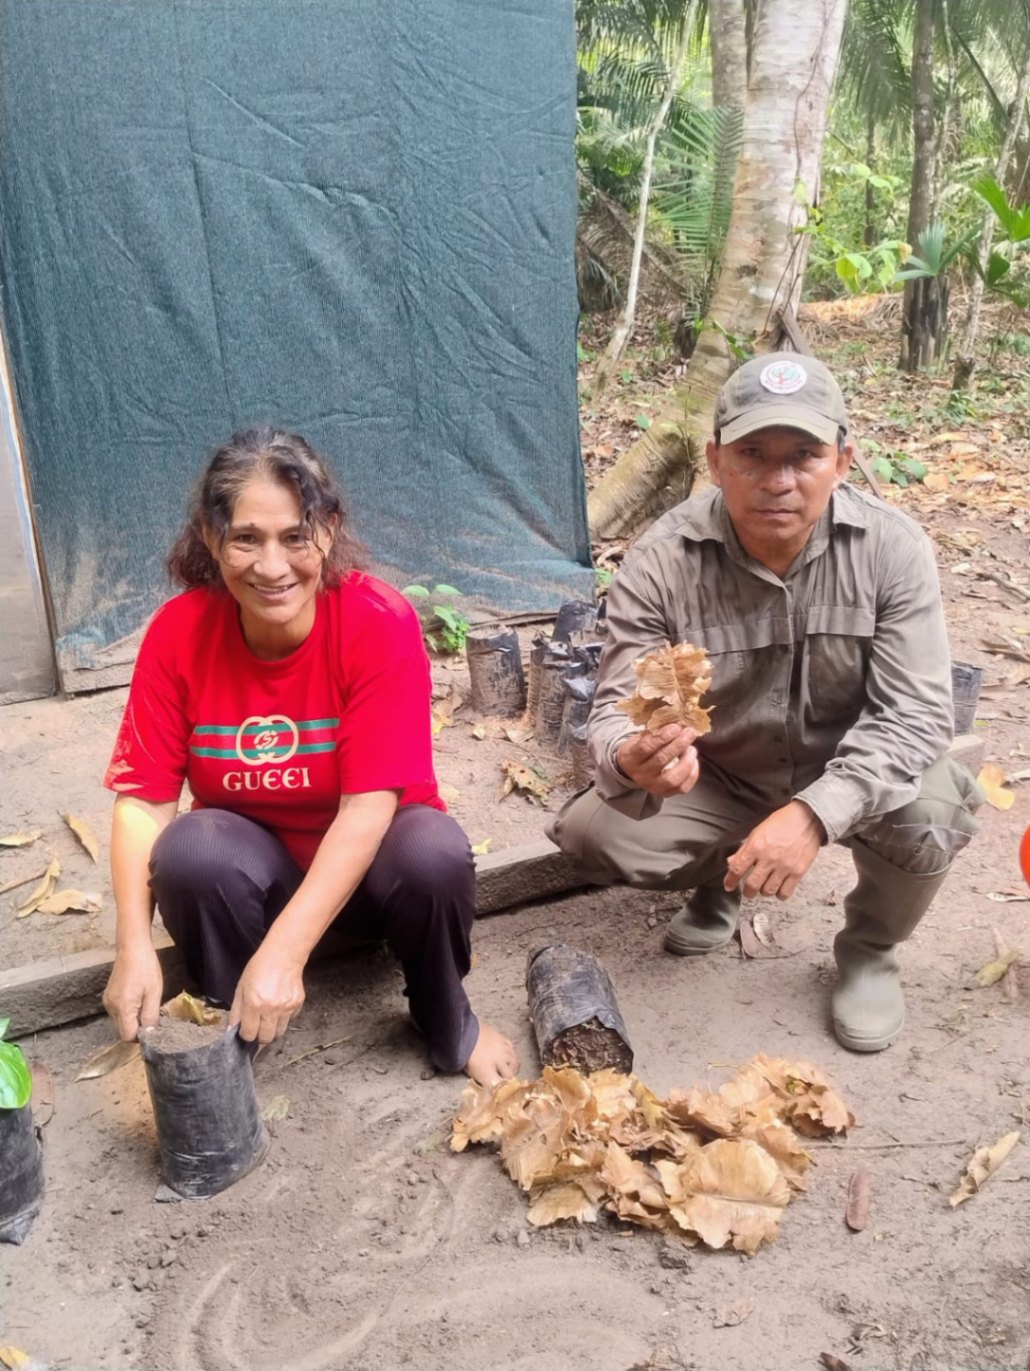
pixel 785 389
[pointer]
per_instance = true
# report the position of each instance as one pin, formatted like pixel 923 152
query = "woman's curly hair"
pixel 291 462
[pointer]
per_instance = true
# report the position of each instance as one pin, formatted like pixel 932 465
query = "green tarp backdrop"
pixel 354 218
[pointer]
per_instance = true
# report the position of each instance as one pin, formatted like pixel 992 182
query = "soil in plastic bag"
pixel 575 1015
pixel 21 1173
pixel 201 1084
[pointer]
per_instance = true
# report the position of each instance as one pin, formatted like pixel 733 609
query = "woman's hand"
pixel 663 763
pixel 132 996
pixel 270 992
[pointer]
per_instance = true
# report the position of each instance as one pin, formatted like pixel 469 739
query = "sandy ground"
pixel 363 1242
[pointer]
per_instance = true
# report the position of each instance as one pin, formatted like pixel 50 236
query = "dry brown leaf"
pixel 43 1094
pixel 42 890
pixel 527 782
pixel 566 1200
pixel 860 1193
pixel 734 1195
pixel 277 1108
pixel 84 833
pixel 69 902
pixel 936 480
pixel 109 1058
pixel 832 1363
pixel 993 779
pixel 478 732
pixel 192 1010
pixel 14 1358
pixel 670 683
pixel 21 839
pixel 981 1168
pixel 993 971
pixel 517 734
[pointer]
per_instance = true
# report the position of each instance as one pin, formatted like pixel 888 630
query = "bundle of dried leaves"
pixel 718 1166
pixel 670 683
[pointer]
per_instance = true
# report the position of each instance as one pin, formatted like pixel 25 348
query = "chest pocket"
pixel 838 644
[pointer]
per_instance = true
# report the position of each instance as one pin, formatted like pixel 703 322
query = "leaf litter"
pixel 982 1166
pixel 21 839
pixel 109 1058
pixel 84 833
pixel 42 891
pixel 715 1166
pixel 191 1010
pixel 994 780
pixel 526 781
pixel 69 902
pixel 670 683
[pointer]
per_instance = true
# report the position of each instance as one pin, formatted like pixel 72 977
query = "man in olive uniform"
pixel 820 609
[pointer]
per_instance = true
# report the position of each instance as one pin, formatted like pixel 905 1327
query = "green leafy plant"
pixel 444 628
pixel 935 254
pixel 899 470
pixel 15 1080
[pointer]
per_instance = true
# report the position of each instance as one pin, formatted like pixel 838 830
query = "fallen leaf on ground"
pixel 69 902
pixel 188 1008
pixel 832 1363
pixel 860 1191
pixel 109 1058
pixel 45 888
pixel 670 683
pixel 84 833
pixel 42 1093
pixel 993 971
pixel 21 839
pixel 982 1167
pixel 517 734
pixel 936 480
pixel 734 1313
pixel 523 779
pixel 278 1107
pixel 993 779
pixel 1008 896
pixel 481 849
pixel 448 793
pixel 479 732
pixel 14 1358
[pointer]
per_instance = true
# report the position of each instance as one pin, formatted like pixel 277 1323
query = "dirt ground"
pixel 363 1242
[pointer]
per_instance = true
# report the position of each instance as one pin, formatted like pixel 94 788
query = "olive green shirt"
pixel 831 685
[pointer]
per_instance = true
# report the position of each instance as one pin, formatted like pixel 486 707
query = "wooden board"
pixel 62 989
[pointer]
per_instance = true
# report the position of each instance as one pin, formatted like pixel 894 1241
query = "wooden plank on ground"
pixel 62 989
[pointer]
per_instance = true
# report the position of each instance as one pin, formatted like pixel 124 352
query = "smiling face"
pixel 271 565
pixel 777 483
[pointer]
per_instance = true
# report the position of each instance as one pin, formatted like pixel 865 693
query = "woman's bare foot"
pixel 493 1058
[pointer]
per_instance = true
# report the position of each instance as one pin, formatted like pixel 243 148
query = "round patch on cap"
pixel 783 378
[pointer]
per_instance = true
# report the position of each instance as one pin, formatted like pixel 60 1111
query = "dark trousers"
pixel 220 880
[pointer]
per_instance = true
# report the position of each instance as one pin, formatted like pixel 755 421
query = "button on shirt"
pixel 831 685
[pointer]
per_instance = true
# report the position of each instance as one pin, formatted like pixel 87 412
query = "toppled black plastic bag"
pixel 21 1173
pixel 209 1128
pixel 575 1015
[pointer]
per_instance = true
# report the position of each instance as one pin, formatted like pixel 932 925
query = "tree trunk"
pixel 870 235
pixel 793 63
pixel 965 362
pixel 624 328
pixel 922 310
pixel 728 32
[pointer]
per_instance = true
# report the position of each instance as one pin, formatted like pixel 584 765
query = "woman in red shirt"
pixel 291 691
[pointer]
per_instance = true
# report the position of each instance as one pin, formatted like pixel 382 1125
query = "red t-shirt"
pixel 279 742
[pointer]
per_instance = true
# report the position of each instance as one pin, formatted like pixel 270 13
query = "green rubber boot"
pixel 708 920
pixel 882 911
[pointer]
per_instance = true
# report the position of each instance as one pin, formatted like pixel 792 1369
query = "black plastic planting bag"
pixel 21 1173
pixel 575 1015
pixel 209 1128
pixel 496 678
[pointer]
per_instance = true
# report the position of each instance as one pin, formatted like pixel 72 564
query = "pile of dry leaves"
pixel 719 1166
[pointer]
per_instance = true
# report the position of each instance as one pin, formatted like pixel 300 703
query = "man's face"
pixel 777 483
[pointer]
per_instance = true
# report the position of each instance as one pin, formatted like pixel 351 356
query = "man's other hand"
pixel 663 763
pixel 774 856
